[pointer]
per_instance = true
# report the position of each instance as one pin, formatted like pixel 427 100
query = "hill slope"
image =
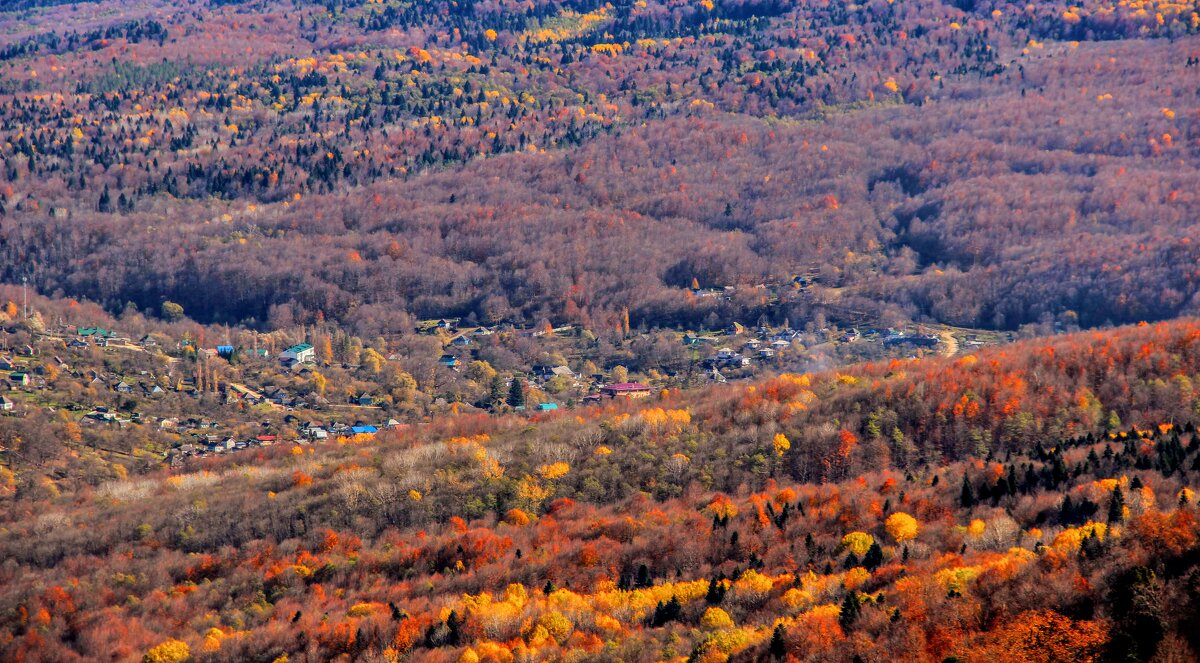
pixel 1029 503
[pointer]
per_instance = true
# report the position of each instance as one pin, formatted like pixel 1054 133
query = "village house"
pixel 727 357
pixel 303 353
pixel 894 339
pixel 551 372
pixel 6 403
pixel 629 390
pixel 95 332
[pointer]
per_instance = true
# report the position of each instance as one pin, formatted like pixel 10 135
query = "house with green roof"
pixel 302 352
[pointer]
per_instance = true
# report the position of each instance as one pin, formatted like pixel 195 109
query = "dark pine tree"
pixel 967 497
pixel 850 611
pixel 516 393
pixel 777 648
pixel 1116 506
pixel 874 557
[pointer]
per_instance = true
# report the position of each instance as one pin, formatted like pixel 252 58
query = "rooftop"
pixel 628 386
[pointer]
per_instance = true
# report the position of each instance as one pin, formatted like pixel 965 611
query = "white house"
pixel 303 353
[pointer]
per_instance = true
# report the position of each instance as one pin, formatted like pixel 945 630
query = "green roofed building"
pixel 303 353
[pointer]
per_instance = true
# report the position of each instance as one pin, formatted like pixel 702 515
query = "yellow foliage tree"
pixel 752 587
pixel 531 493
pixel 722 507
pixel 715 619
pixel 1071 539
pixel 372 360
pixel 902 527
pixel 515 594
pixel 797 599
pixel 554 470
pixel 858 542
pixel 782 444
pixel 171 651
pixel 557 625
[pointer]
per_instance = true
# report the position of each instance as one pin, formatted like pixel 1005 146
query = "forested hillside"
pixel 1030 503
pixel 599 330
pixel 986 164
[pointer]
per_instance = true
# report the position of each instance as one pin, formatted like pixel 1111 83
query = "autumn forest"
pixel 599 330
